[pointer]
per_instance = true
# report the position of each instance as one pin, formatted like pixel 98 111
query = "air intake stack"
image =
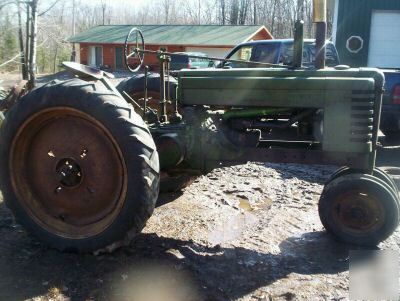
pixel 319 18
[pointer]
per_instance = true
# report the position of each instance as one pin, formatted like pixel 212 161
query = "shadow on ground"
pixel 196 272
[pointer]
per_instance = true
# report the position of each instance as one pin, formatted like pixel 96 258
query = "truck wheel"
pixel 359 209
pixel 79 169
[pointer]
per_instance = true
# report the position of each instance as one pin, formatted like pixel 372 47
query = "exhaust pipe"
pixel 319 18
pixel 298 44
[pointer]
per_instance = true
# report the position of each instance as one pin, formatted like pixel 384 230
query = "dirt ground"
pixel 249 232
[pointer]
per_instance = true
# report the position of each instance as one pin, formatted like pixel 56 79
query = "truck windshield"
pixel 243 53
pixel 265 53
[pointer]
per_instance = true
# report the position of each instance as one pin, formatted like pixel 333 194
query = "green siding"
pixel 215 35
pixel 354 19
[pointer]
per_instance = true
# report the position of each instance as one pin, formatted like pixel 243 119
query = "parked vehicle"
pixel 390 118
pixel 278 52
pixel 265 51
pixel 181 60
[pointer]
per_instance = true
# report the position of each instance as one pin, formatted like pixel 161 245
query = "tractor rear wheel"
pixel 134 87
pixel 79 169
pixel 359 209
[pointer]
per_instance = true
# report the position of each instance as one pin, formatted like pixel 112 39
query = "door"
pixel 96 56
pixel 119 57
pixel 384 42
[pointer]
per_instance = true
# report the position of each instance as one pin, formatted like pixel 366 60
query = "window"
pixel 331 57
pixel 243 53
pixel 287 53
pixel 266 53
pixel 96 56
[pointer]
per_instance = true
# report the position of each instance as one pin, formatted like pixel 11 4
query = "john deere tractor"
pixel 80 162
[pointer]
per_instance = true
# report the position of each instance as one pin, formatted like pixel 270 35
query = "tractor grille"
pixel 362 116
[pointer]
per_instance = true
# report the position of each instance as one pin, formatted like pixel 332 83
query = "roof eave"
pixel 154 44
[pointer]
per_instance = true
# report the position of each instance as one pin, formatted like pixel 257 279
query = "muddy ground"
pixel 249 232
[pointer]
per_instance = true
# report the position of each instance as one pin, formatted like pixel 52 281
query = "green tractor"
pixel 81 162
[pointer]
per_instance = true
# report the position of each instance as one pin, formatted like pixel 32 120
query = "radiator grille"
pixel 362 116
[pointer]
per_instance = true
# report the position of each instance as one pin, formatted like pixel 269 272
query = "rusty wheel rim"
pixel 68 172
pixel 358 212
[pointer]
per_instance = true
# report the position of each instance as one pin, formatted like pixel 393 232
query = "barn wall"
pixel 83 54
pixel 109 54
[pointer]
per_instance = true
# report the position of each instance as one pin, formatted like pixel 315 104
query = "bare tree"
pixel 167 8
pixel 24 68
pixel 103 10
pixel 223 17
pixel 33 41
pixel 255 20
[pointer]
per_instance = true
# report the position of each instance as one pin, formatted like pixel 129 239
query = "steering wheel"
pixel 137 52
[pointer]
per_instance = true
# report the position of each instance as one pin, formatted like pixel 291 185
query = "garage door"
pixel 384 46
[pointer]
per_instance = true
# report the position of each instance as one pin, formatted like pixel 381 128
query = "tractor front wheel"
pixel 79 167
pixel 359 209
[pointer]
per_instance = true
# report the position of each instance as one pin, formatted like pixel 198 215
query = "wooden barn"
pixel 103 45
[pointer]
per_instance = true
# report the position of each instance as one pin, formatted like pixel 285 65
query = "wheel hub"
pixel 69 173
pixel 358 212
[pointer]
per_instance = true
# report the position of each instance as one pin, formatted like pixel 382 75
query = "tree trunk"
pixel 199 12
pixel 73 54
pixel 55 59
pixel 255 21
pixel 273 18
pixel 300 9
pixel 234 12
pixel 32 50
pixel 27 38
pixel 223 11
pixel 244 4
pixel 24 68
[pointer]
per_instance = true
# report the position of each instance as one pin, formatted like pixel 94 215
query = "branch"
pixel 49 8
pixel 5 4
pixel 11 60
